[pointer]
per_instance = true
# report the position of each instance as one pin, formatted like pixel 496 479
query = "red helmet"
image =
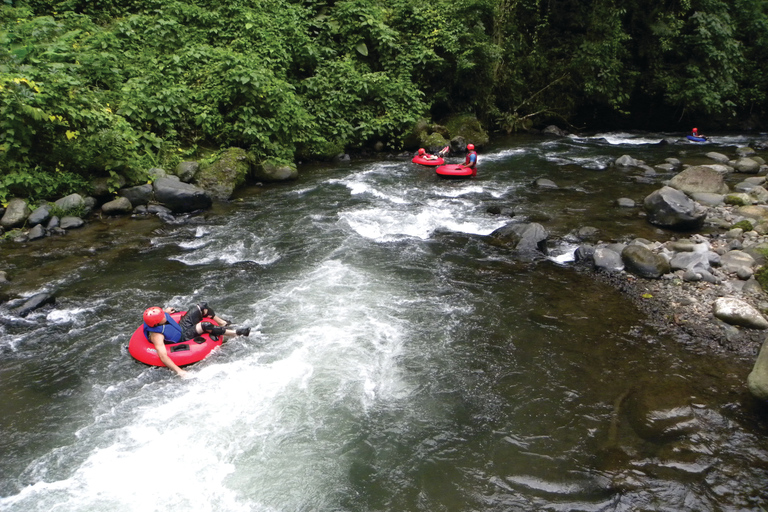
pixel 695 130
pixel 154 316
pixel 470 147
pixel 421 151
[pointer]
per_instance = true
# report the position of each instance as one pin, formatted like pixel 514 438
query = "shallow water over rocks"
pixel 399 361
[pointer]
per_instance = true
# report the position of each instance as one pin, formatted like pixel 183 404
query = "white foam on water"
pixel 257 433
pixel 623 138
pixel 226 251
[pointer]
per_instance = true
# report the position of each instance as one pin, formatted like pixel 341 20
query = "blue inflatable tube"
pixel 697 139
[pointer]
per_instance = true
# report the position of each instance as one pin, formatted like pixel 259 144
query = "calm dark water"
pixel 398 361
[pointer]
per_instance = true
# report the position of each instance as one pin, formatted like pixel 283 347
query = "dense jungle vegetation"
pixel 114 87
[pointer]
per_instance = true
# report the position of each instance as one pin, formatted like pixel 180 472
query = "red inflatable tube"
pixel 428 161
pixel 184 353
pixel 455 171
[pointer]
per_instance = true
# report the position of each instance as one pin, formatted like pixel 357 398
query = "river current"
pixel 397 361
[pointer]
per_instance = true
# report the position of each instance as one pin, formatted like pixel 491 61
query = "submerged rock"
pixel 34 302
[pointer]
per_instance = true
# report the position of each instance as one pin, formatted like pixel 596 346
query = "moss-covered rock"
pixel 223 176
pixel 744 225
pixel 469 128
pixel 433 142
pixel 275 170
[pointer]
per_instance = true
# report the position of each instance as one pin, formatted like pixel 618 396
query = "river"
pixel 398 361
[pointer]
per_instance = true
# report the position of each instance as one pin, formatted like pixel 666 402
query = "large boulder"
pixel 699 178
pixel 180 197
pixel 15 214
pixel 643 262
pixel 671 208
pixel 222 177
pixel 757 381
pixel 275 171
pixel 523 237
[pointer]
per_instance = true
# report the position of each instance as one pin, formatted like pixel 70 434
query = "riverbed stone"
pixel 545 183
pixel 38 231
pixel 718 157
pixel 671 208
pixel 627 161
pixel 625 202
pixel 607 259
pixel 71 222
pixel 735 311
pixel 40 215
pixel 180 197
pixel 699 178
pixel 271 171
pixel 733 261
pixel 523 237
pixel 757 380
pixel 222 177
pixel 16 213
pixel 738 199
pixel 643 262
pixel 118 206
pixel 138 195
pixel 35 302
pixel 746 165
pixel 70 203
pixel 745 151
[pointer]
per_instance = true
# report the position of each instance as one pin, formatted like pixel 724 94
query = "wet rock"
pixel 584 252
pixel 139 195
pixel 587 233
pixel 708 199
pixel 643 262
pixel 733 261
pixel 745 151
pixel 627 161
pixel 275 171
pixel 554 130
pixel 718 157
pixel 746 165
pixel 119 206
pixel 734 311
pixel 523 237
pixel 738 199
pixel 697 179
pixel 15 214
pixel 671 208
pixel 757 380
pixel 39 216
pixel 156 173
pixel 3 277
pixel 545 183
pixel 37 232
pixel 625 202
pixel 71 222
pixel 222 177
pixel 607 259
pixel 35 302
pixel 180 197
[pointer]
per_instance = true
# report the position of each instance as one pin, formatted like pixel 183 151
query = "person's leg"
pixel 217 330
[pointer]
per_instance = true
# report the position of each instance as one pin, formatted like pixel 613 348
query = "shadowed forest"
pixel 113 88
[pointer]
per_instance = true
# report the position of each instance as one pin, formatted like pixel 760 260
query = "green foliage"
pixel 111 88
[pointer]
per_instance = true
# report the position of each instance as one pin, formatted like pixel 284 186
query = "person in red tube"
pixel 161 329
pixel 471 159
